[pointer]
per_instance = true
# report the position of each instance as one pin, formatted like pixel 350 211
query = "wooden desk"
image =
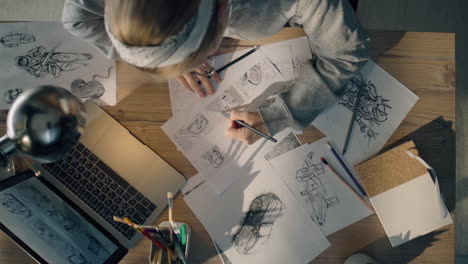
pixel 424 62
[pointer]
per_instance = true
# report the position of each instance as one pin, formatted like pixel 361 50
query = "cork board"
pixel 390 169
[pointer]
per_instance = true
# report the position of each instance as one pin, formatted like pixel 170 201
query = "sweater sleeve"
pixel 85 19
pixel 340 45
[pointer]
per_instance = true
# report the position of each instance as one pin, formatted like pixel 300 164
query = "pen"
pixel 329 166
pixel 346 169
pixel 258 132
pixel 353 119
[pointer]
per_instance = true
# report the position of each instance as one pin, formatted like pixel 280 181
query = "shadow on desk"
pixel 383 252
pixel 436 145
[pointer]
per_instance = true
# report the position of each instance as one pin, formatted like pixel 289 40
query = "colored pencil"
pixel 346 169
pixel 329 166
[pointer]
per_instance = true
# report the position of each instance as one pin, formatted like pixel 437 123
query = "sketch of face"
pixel 10 95
pixel 46 232
pixel 197 125
pixel 22 61
pixel 214 157
pixel 14 206
pixel 252 76
pixel 258 223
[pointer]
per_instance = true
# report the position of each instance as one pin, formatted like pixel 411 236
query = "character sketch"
pixel 95 246
pixel 14 39
pixel 227 100
pixel 214 157
pixel 257 225
pixel 73 256
pixel 34 196
pixel 92 89
pixel 10 96
pixel 372 108
pixel 47 234
pixel 313 189
pixel 14 206
pixel 288 143
pixel 60 217
pixel 39 62
pixel 252 76
pixel 194 129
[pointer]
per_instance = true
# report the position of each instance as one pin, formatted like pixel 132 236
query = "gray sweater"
pixel 338 40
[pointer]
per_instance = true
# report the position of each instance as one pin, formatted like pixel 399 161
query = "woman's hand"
pixel 193 81
pixel 241 133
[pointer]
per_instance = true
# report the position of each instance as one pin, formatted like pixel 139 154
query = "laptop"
pixel 111 173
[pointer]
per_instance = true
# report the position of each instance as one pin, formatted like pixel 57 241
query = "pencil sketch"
pixel 47 234
pixel 372 107
pixel 14 39
pixel 14 206
pixel 194 129
pixel 39 62
pixel 92 89
pixel 95 246
pixel 214 157
pixel 227 100
pixel 10 96
pixel 60 217
pixel 313 190
pixel 73 256
pixel 257 225
pixel 288 143
pixel 252 76
pixel 34 196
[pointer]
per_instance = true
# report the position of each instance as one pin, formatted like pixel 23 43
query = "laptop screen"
pixel 49 227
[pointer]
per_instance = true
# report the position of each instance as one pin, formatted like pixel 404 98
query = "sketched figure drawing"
pixel 313 189
pixel 65 221
pixel 14 206
pixel 288 143
pixel 47 234
pixel 227 100
pixel 194 129
pixel 14 39
pixel 372 108
pixel 10 96
pixel 258 222
pixel 214 157
pixel 252 76
pixel 39 62
pixel 92 89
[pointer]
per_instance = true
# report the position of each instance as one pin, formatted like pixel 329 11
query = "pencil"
pixel 325 162
pixel 170 202
pixel 258 132
pixel 353 119
pixel 127 221
pixel 346 169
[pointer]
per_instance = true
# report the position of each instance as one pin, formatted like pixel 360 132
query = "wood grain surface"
pixel 423 62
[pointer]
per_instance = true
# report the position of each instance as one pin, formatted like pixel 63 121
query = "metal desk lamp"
pixel 44 124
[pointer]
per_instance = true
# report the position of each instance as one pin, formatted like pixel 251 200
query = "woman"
pixel 173 38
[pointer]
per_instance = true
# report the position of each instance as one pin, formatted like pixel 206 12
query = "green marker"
pixel 183 235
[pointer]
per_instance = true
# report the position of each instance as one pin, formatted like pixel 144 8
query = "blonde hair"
pixel 150 22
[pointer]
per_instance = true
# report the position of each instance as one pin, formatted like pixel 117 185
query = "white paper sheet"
pixel 257 220
pixel 31 10
pixel 287 55
pixel 410 210
pixel 384 104
pixel 44 53
pixel 200 136
pixel 326 199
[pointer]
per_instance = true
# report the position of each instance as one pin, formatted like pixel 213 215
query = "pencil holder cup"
pixel 165 224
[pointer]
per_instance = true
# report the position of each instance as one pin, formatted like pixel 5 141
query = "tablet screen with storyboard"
pixel 49 227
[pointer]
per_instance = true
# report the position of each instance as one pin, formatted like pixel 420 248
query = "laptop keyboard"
pixel 102 189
